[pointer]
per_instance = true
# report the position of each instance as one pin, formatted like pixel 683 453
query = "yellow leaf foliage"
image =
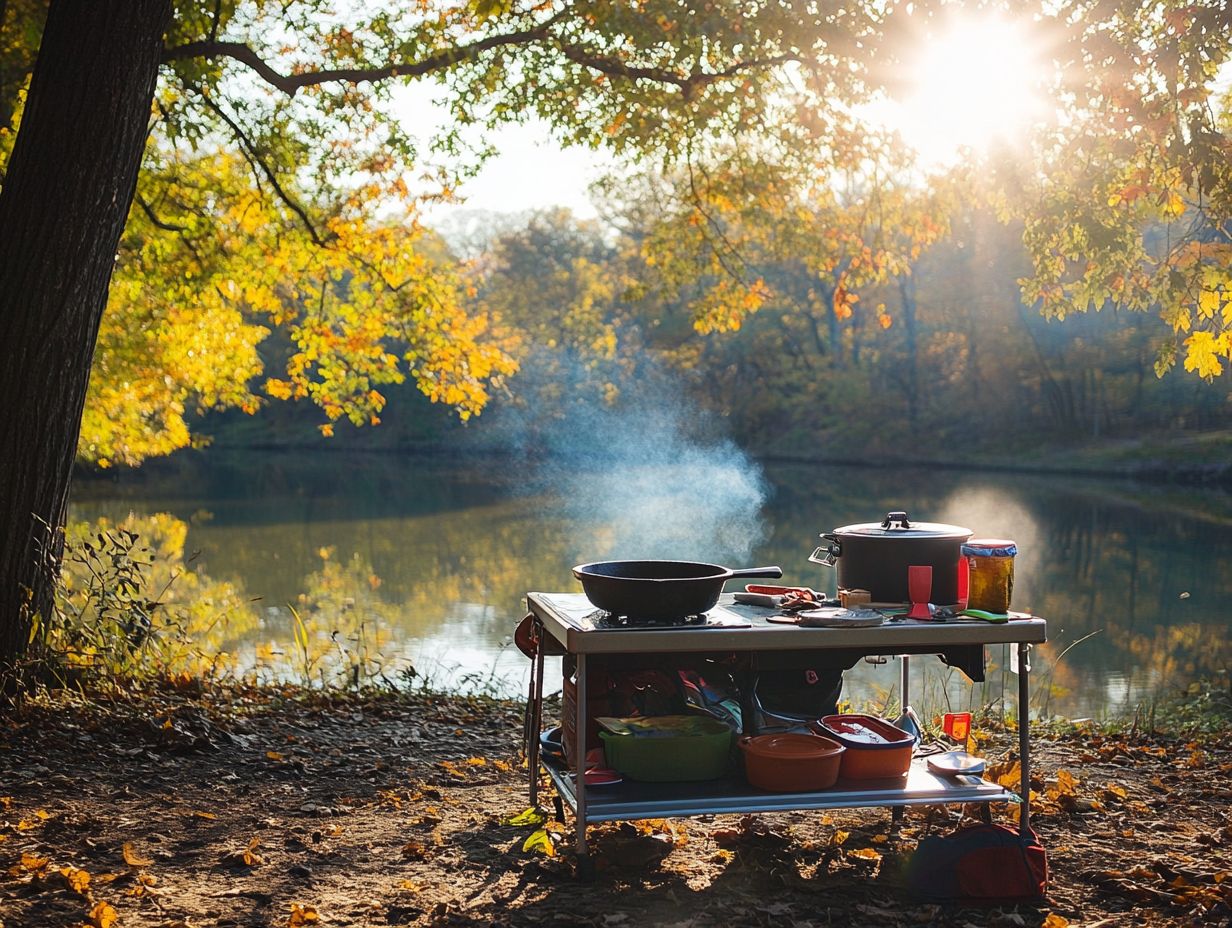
pixel 210 267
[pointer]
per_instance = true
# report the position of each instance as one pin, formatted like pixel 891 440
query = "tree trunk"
pixel 65 199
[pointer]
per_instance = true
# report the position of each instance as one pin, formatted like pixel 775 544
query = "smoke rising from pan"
pixel 646 476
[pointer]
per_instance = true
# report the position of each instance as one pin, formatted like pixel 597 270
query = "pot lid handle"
pixel 899 518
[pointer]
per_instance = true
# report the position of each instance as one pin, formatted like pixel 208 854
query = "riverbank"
pixel 1184 460
pixel 251 807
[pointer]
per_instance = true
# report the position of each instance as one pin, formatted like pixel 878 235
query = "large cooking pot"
pixel 659 589
pixel 874 556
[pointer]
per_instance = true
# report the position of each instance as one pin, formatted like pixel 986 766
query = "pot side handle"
pixel 832 552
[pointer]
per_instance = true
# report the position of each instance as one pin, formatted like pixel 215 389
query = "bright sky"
pixel 531 170
pixel 974 84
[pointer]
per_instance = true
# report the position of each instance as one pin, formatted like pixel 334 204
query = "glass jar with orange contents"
pixel 992 573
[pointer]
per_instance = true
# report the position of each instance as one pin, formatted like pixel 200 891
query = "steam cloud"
pixel 648 476
pixel 663 496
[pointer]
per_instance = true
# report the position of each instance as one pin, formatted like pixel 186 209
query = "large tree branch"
pixel 604 64
pixel 290 83
pixel 154 218
pixel 614 67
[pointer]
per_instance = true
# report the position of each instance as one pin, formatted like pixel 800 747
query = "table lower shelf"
pixel 631 800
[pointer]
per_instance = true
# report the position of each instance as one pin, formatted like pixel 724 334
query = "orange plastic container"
pixel 791 762
pixel 875 749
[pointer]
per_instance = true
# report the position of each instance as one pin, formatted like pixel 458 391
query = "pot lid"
pixel 990 547
pixel 897 525
pixel 792 745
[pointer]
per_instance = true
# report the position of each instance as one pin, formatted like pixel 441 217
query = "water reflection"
pixel 394 563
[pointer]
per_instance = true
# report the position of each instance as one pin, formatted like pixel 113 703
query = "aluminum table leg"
pixel 579 754
pixel 1024 734
pixel 536 717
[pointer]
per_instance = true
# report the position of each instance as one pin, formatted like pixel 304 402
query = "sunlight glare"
pixel 973 86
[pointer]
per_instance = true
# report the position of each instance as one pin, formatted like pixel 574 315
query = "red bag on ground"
pixel 982 864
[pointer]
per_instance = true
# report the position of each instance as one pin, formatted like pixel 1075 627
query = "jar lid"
pixel 989 547
pixel 897 525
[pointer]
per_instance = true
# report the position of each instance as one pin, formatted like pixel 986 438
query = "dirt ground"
pixel 256 808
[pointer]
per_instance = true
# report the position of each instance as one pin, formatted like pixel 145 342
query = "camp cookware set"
pixel 659 589
pixel 875 556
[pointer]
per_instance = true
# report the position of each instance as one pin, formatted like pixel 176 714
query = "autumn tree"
pixel 240 157
pixel 1135 207
pixel 799 233
pixel 289 91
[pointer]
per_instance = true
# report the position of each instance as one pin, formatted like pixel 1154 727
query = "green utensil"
pixel 986 616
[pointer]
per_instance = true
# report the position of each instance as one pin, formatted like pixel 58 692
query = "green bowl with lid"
pixel 667 748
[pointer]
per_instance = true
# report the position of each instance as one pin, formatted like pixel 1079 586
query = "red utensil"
pixel 919 588
pixel 773 590
pixel 964 583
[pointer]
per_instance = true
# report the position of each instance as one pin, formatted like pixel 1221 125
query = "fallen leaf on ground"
pixel 134 859
pixel 78 880
pixel 303 915
pixel 540 841
pixel 29 863
pixel 103 915
pixel 416 850
pixel 244 857
pixel 531 816
pixel 1066 785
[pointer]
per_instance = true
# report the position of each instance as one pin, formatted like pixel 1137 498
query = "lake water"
pixel 411 562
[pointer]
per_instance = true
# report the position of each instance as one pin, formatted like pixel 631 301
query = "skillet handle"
pixel 773 573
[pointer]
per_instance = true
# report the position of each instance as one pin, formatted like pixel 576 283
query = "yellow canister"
pixel 992 573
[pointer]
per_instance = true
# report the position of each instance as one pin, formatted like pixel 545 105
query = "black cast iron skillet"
pixel 659 589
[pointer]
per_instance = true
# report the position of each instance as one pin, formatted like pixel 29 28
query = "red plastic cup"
pixel 956 725
pixel 919 588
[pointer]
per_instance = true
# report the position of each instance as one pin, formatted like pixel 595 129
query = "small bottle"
pixel 991 563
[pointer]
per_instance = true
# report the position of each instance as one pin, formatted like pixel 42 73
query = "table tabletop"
pixel 570 619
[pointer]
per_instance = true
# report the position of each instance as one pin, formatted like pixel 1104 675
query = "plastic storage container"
pixel 992 573
pixel 667 748
pixel 876 750
pixel 790 762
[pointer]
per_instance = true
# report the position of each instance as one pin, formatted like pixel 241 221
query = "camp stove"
pixel 580 613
